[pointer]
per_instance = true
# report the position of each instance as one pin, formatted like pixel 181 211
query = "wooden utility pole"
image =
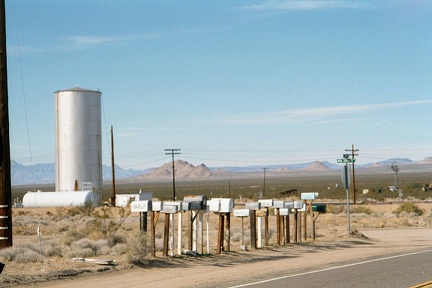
pixel 173 152
pixel 5 163
pixel 113 197
pixel 353 189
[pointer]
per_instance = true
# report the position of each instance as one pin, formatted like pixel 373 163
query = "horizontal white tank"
pixel 61 199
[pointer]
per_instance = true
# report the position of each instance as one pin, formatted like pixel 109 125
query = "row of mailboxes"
pixel 222 205
pixel 219 205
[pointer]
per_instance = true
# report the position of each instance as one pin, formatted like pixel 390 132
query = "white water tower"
pixel 78 140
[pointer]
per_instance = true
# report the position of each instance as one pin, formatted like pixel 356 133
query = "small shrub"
pixel 334 209
pixel 20 254
pixel 408 207
pixel 115 239
pixel 137 250
pixel 361 209
pixel 71 236
pixel 88 248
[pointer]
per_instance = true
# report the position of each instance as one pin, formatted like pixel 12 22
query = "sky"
pixel 230 83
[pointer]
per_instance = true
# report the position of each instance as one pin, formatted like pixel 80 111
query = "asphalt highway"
pixel 400 270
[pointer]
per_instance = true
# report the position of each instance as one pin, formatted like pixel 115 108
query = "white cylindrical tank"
pixel 78 140
pixel 60 199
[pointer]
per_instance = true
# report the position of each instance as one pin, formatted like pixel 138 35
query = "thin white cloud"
pixel 317 114
pixel 283 5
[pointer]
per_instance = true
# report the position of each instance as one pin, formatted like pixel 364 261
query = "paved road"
pixel 404 270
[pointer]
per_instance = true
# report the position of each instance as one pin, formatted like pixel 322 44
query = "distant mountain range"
pixel 45 173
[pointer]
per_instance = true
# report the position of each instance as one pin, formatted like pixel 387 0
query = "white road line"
pixel 331 268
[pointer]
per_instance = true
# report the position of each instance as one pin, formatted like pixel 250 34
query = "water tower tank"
pixel 78 140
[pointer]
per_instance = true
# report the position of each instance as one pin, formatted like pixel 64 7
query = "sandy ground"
pixel 379 233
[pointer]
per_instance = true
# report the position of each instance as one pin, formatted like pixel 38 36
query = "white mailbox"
pixel 214 204
pixel 177 204
pixel 241 212
pixel 289 204
pixel 283 211
pixel 309 195
pixel 266 202
pixel 221 205
pixel 157 206
pixel 197 202
pixel 253 205
pixel 227 205
pixel 141 206
pixel 298 204
pixel 171 209
pixel 278 204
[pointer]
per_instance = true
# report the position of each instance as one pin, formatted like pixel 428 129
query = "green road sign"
pixel 345 160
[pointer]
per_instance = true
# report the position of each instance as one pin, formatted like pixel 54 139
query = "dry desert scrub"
pixel 408 208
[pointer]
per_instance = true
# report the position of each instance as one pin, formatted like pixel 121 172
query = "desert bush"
pixel 71 236
pixel 86 248
pixel 115 239
pixel 137 249
pixel 334 209
pixel 361 209
pixel 26 253
pixel 408 207
pixel 51 248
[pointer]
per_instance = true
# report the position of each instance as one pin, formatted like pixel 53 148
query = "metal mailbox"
pixel 283 211
pixel 177 204
pixel 266 202
pixel 186 206
pixel 289 204
pixel 227 205
pixel 214 205
pixel 278 204
pixel 298 204
pixel 309 195
pixel 253 205
pixel 241 212
pixel 197 202
pixel 141 206
pixel 157 206
pixel 171 209
pixel 221 205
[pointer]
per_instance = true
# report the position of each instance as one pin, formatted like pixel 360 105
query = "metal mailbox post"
pixel 197 205
pixel 242 213
pixel 223 207
pixel 254 222
pixel 266 203
pixel 307 197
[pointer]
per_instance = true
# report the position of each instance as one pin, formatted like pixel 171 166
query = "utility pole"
pixel 353 154
pixel 113 197
pixel 5 162
pixel 173 152
pixel 264 169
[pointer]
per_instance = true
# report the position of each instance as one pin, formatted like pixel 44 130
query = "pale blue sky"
pixel 229 82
